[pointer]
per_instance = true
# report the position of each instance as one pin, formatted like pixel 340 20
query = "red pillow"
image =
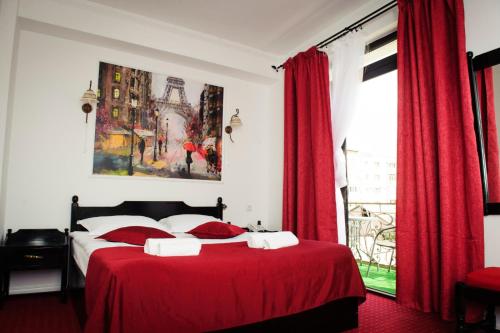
pixel 134 235
pixel 216 230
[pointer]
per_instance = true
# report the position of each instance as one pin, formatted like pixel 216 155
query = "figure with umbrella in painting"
pixel 190 148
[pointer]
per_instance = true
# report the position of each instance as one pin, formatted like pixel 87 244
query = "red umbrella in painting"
pixel 189 147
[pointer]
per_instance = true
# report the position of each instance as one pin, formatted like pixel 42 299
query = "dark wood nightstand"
pixel 34 249
pixel 258 228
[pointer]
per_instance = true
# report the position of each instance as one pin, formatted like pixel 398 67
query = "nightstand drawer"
pixel 35 258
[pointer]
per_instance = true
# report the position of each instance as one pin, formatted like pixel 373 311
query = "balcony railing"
pixel 372 239
pixel 372 232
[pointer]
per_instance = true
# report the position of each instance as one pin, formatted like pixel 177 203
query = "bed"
pixel 314 286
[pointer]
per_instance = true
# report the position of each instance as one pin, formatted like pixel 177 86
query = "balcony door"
pixel 370 148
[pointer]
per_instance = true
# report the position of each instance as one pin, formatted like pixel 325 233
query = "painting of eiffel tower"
pixel 157 125
pixel 175 86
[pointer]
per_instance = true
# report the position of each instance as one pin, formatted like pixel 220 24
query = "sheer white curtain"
pixel 346 76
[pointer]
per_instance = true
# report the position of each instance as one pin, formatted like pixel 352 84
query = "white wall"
pixel 8 21
pixel 50 160
pixel 481 28
pixel 50 148
pixel 482 25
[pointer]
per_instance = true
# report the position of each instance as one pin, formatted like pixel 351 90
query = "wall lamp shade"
pixel 89 101
pixel 233 123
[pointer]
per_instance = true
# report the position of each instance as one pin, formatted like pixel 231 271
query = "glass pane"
pixel 371 168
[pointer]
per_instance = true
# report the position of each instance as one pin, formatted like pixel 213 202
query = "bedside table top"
pixel 36 238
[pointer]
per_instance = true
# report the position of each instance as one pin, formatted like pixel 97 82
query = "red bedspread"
pixel 227 285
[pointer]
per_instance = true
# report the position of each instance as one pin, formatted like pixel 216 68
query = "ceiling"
pixel 273 26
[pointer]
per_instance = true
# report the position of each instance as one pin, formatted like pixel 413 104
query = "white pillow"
pixel 102 224
pixel 185 222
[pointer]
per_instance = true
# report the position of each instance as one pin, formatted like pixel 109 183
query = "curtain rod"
pixel 353 27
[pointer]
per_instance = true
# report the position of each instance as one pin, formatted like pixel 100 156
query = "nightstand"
pixel 35 249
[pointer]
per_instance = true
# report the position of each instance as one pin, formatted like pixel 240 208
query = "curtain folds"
pixel 346 64
pixel 439 197
pixel 308 179
pixel 486 95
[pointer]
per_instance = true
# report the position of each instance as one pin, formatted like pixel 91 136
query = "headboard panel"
pixel 153 209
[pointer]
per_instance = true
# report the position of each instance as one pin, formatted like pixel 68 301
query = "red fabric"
pixel 134 235
pixel 382 315
pixel 487 278
pixel 309 208
pixel 47 314
pixel 227 285
pixel 486 96
pixel 216 230
pixel 439 207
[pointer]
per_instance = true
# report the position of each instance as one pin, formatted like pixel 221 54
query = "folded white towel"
pixel 256 239
pixel 152 246
pixel 172 247
pixel 272 240
pixel 278 240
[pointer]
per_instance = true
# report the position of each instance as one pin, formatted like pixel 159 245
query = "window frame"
pixel 385 65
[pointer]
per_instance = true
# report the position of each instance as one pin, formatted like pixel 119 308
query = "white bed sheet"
pixel 83 245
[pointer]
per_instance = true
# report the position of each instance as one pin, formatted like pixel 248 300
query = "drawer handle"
pixel 32 256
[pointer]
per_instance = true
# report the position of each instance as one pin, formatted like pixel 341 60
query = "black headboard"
pixel 153 209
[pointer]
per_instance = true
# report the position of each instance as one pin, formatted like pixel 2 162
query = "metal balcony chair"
pixel 384 239
pixel 359 229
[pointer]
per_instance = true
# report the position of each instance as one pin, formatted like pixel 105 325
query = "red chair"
pixel 481 286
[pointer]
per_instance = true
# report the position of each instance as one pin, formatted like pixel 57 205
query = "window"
pixel 118 77
pixel 116 93
pixel 371 147
pixel 115 112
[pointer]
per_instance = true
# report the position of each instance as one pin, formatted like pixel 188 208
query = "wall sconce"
pixel 89 100
pixel 234 122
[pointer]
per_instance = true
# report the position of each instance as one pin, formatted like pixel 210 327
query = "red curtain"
pixel 308 182
pixel 486 97
pixel 439 195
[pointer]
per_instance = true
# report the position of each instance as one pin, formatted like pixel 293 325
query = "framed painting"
pixel 150 124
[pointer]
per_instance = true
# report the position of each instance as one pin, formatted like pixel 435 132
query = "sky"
pixel 374 128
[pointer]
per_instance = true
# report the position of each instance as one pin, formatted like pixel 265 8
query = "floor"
pixel 43 313
pixel 381 314
pixel 380 280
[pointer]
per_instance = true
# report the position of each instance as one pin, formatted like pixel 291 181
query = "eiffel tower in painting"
pixel 167 101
